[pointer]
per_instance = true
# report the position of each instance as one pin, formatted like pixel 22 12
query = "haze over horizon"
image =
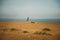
pixel 42 9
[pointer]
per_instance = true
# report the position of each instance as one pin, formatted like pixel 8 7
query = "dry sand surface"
pixel 29 30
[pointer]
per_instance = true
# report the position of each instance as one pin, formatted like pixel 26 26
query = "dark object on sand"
pixel 25 32
pixel 12 29
pixel 32 22
pixel 46 29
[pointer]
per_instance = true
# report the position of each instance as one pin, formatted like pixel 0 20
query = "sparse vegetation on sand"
pixel 32 22
pixel 28 30
pixel 46 29
pixel 43 32
pixel 25 32
pixel 12 29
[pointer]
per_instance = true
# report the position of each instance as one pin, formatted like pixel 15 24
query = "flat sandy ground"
pixel 27 30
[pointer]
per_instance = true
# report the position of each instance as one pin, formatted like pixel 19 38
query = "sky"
pixel 42 9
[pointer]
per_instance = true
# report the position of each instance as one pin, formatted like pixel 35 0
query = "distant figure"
pixel 27 18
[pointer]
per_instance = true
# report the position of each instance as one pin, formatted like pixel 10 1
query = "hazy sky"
pixel 44 9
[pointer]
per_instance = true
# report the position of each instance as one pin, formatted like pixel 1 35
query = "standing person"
pixel 27 18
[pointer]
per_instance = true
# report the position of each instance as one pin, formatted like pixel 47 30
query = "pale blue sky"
pixel 43 9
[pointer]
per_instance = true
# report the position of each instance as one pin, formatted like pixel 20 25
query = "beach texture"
pixel 29 30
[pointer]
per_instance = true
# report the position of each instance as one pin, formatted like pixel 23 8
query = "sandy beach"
pixel 29 30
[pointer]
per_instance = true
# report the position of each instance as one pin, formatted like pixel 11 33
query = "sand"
pixel 26 30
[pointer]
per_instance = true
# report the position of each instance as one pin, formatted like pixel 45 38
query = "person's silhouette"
pixel 27 18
